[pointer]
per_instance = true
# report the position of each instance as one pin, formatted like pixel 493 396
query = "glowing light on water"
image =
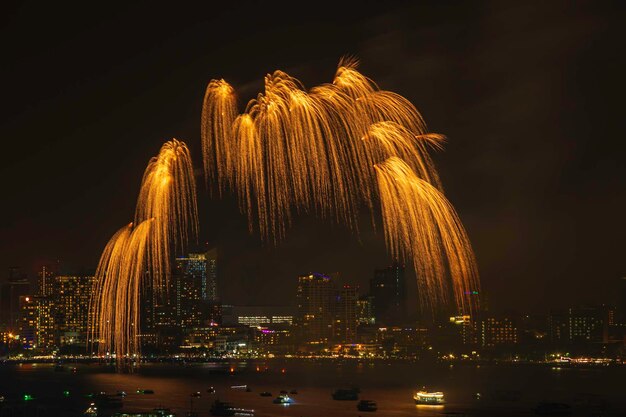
pixel 331 150
pixel 165 217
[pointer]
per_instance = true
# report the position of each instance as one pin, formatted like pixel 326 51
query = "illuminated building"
pixel 196 290
pixel 29 310
pixel 365 310
pixel 588 324
pixel 273 337
pixel 202 267
pixel 580 325
pixel 498 330
pixel 346 321
pixel 46 275
pixel 402 340
pixel 314 297
pixel 466 328
pixel 388 288
pixel 200 337
pixel 70 296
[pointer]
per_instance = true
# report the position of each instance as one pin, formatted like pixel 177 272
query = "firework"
pixel 165 217
pixel 331 150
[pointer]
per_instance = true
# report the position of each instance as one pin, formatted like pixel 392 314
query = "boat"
pixel 293 392
pixel 430 398
pixel 145 391
pixel 367 405
pixel 91 411
pixel 265 394
pixel 222 408
pixel 211 390
pixel 283 399
pixel 344 394
pixel 156 412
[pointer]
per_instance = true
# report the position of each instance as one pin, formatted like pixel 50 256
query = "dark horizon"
pixel 528 96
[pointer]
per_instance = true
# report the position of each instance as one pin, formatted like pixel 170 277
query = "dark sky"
pixel 530 96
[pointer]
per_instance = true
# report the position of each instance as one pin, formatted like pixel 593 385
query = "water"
pixel 590 391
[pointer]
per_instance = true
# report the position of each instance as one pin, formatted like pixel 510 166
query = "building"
pixel 273 338
pixel 580 325
pixel 29 318
pixel 388 289
pixel 46 275
pixel 346 317
pixel 465 328
pixel 315 299
pixel 365 310
pixel 255 316
pixel 197 303
pixel 497 330
pixel 10 293
pixel 71 295
pixel 588 324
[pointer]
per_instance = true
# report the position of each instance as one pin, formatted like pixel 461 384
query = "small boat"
pixel 265 394
pixel 211 390
pixel 367 405
pixel 196 394
pixel 283 399
pixel 431 398
pixel 91 411
pixel 293 392
pixel 343 394
pixel 145 391
pixel 156 412
pixel 221 408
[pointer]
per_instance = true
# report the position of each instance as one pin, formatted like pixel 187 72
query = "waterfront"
pixel 505 389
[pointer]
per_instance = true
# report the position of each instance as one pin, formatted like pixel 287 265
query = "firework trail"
pixel 165 217
pixel 331 150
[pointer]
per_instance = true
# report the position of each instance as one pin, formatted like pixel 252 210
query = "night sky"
pixel 529 95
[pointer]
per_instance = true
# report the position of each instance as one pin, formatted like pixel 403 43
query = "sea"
pixel 190 388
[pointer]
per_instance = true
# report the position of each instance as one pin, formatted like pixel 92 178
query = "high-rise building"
pixel 314 297
pixel 580 325
pixel 70 295
pixel 197 302
pixel 29 317
pixel 46 275
pixel 588 324
pixel 346 319
pixel 388 287
pixel 203 267
pixel 365 310
pixel 498 330
pixel 255 316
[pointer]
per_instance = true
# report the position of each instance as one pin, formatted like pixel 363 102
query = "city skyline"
pixel 528 214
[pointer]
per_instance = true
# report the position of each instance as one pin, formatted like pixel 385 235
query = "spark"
pixel 331 150
pixel 165 218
